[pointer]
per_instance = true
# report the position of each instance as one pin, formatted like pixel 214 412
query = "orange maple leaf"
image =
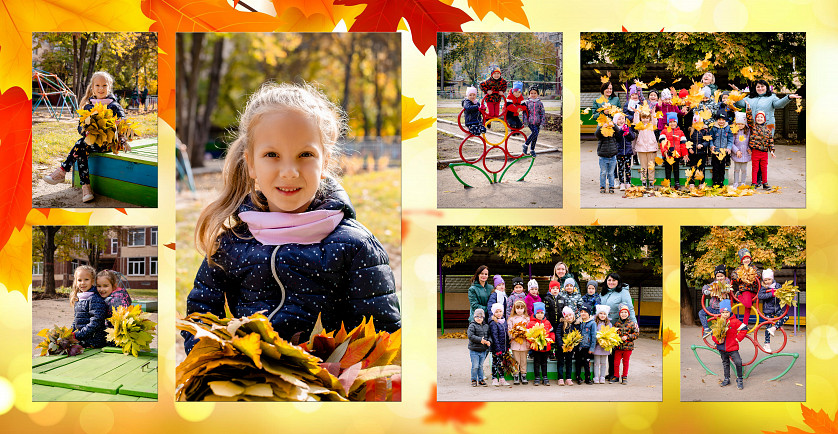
pixel 595 223
pixel 668 337
pixel 512 9
pixel 411 127
pixel 170 245
pixel 817 421
pixel 456 413
pixel 172 16
pixel 309 8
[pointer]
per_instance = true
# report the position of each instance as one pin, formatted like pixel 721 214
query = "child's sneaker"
pixel 86 193
pixel 771 330
pixel 56 177
pixel 482 383
pixel 524 149
pixel 504 383
pixel 532 152
pixel 495 382
pixel 706 333
pixel 473 383
pixel 622 187
pixel 602 190
pixel 766 187
pixel 561 381
pixel 767 347
pixel 611 190
pixel 569 382
pixel 625 380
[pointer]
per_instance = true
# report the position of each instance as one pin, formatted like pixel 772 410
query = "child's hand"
pixel 625 338
pixel 738 154
pixel 692 152
pixel 772 155
pixel 795 96
pixel 749 151
pixel 686 160
pixel 489 92
pixel 712 149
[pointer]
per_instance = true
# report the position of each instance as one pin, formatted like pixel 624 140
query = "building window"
pixel 75 263
pixel 136 237
pixel 153 237
pixel 114 246
pixel 152 266
pixel 136 267
pixel 38 268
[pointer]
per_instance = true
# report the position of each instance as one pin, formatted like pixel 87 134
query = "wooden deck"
pixel 96 375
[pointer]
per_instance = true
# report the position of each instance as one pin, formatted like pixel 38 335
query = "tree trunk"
pixel 180 88
pixel 687 309
pixel 379 98
pixel 193 76
pixel 204 121
pixel 91 68
pixel 347 70
pixel 48 278
pixel 79 54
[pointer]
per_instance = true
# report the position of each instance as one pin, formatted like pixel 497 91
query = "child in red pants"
pixel 628 332
pixel 494 87
pixel 761 144
pixel 745 283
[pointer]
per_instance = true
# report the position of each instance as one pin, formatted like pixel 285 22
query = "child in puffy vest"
pixel 627 330
pixel 89 309
pixel 500 344
pixel 471 112
pixel 571 296
pixel 729 346
pixel 771 306
pixel 478 346
pixel 498 295
pixel 720 149
pixel 539 362
pixel 282 237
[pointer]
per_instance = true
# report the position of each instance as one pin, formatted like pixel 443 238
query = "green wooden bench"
pixel 129 176
pixel 95 375
pixel 146 305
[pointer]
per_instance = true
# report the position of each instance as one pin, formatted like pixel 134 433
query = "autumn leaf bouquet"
pixel 718 327
pixel 59 341
pixel 786 294
pixel 132 330
pixel 571 340
pixel 538 337
pixel 244 359
pixel 607 337
pixel 720 289
pixel 102 128
pixel 519 332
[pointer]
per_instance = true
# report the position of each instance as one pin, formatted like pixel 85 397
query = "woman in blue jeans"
pixel 478 346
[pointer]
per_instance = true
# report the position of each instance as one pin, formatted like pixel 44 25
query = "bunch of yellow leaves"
pixel 718 327
pixel 538 337
pixel 519 332
pixel 132 329
pixel 571 340
pixel 786 294
pixel 746 273
pixel 244 359
pixel 102 128
pixel 720 289
pixel 733 97
pixel 608 338
pixel 59 341
pixel 634 192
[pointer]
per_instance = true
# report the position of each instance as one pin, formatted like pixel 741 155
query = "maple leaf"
pixel 819 422
pixel 411 127
pixel 512 9
pixel 172 16
pixel 425 18
pixel 308 8
pixel 703 64
pixel 749 73
pixel 667 338
pixel 170 245
pixel 15 166
pixel 455 413
pixel 15 271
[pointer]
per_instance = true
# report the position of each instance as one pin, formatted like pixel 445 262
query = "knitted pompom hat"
pixel 471 90
pixel 538 307
pixel 666 94
pixel 517 85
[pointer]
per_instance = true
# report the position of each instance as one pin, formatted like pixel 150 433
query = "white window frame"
pixel 37 268
pixel 134 264
pixel 134 235
pixel 153 236
pixel 114 246
pixel 152 266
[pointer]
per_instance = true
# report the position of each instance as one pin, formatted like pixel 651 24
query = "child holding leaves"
pixel 731 332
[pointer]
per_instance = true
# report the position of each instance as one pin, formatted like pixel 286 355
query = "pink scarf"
pixel 278 228
pixel 105 101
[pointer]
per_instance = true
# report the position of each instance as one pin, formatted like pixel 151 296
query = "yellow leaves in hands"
pixel 132 329
pixel 603 119
pixel 608 337
pixel 412 125
pixel 786 294
pixel 718 327
pixel 571 340
pixel 606 131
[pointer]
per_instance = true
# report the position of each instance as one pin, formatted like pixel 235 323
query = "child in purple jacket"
pixel 535 119
pixel 740 154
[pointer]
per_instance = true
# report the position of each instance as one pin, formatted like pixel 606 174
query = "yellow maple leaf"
pixel 667 338
pixel 734 128
pixel 658 161
pixel 412 126
pixel 511 9
pixel 749 73
pixel 601 99
pixel 655 81
pixel 818 421
pixel 706 114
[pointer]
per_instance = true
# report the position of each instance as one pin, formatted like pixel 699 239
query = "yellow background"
pixel 819 18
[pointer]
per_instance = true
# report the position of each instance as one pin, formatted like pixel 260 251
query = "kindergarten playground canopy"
pixel 53 94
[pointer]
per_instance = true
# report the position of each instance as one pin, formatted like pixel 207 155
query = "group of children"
pixel 746 286
pixel 513 108
pixel 561 312
pixel 649 127
pixel 94 298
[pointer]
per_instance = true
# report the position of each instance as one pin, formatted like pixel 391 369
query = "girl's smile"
pixel 288 160
pixel 84 281
pixel 100 87
pixel 103 285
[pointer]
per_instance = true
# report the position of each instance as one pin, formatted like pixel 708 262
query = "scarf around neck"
pixel 279 228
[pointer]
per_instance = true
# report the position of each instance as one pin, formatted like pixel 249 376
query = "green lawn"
pixel 376 197
pixel 52 140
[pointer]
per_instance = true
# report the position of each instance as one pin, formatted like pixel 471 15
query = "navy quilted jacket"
pixel 498 336
pixel 345 277
pixel 89 320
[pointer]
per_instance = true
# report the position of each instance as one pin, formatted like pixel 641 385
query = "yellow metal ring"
pixel 505 134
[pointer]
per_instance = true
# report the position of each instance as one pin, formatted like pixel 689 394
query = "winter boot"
pixel 516 379
pixel 536 381
pixel 739 384
pixel 524 378
pixel 545 381
pixel 625 380
pixel 725 382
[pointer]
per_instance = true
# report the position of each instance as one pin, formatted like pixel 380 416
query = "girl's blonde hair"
pixel 220 215
pixel 73 294
pixel 89 91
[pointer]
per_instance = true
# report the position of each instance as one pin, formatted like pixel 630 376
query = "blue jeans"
pixel 778 324
pixel 477 358
pixel 702 316
pixel 534 130
pixel 607 166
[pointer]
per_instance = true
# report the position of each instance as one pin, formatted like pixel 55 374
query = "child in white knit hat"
pixel 740 153
pixel 471 113
pixel 500 344
pixel 771 306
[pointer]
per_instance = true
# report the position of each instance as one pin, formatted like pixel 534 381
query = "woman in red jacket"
pixel 729 348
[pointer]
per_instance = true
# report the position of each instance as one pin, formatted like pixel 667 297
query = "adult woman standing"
pixel 561 273
pixel 614 293
pixel 478 293
pixel 607 91
pixel 761 99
